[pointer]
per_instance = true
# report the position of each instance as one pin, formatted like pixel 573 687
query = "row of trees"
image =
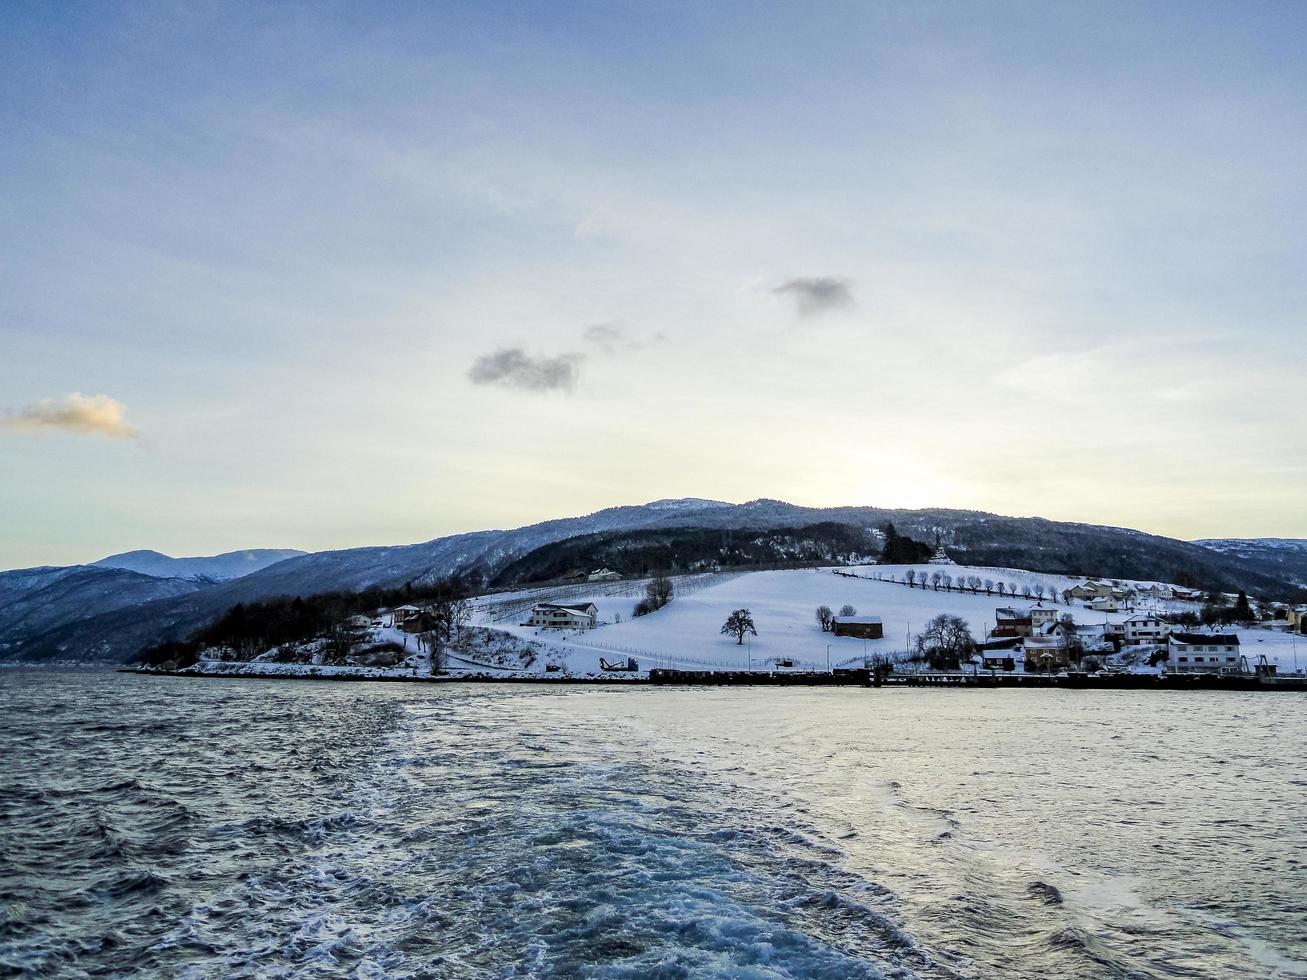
pixel 974 583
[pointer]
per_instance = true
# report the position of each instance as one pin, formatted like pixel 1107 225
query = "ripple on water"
pixel 196 829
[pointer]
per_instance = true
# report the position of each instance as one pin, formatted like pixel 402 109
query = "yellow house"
pixel 1297 617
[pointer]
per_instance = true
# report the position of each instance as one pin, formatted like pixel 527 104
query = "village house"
pixel 863 627
pixel 1202 652
pixel 1156 590
pixel 1041 615
pixel 553 616
pixel 401 614
pixel 1095 637
pixel 1103 603
pixel 1084 591
pixel 422 622
pixel 604 575
pixel 1047 652
pixel 1296 617
pixel 1146 628
pixel 1009 622
pixel 999 654
pixel 1092 589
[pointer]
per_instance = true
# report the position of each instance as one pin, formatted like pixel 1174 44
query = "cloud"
pixel 611 338
pixel 94 415
pixel 512 367
pixel 818 294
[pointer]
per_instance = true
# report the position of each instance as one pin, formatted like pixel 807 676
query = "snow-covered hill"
pixel 64 598
pixel 117 632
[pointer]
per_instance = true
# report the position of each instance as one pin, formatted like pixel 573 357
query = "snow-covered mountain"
pixel 99 621
pixel 1289 555
pixel 35 601
pixel 215 568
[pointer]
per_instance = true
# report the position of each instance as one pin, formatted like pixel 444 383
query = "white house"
pixel 550 615
pixel 1039 616
pixel 604 575
pixel 1146 628
pixel 1156 590
pixel 1212 653
pixel 1093 637
pixel 1103 603
pixel 1085 590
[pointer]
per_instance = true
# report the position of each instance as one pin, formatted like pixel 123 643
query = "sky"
pixel 318 275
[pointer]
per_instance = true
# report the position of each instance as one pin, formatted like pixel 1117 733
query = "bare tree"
pixel 847 610
pixel 824 618
pixel 934 579
pixel 911 576
pixel 437 647
pixel 945 641
pixel 1071 637
pixel 989 586
pixel 1039 592
pixel 342 639
pixel 659 590
pixel 738 624
pixel 948 581
pixel 450 616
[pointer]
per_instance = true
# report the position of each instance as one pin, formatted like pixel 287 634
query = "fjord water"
pixel 195 827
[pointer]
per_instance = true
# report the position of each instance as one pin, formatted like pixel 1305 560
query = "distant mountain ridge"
pixel 1287 554
pixel 131 613
pixel 217 568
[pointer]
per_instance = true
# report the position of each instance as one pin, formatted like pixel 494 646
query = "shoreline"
pixel 853 678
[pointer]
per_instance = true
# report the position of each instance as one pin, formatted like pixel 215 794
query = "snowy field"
pixel 687 634
pixel 783 604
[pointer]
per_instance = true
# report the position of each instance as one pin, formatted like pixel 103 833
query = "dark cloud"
pixel 512 367
pixel 91 415
pixel 818 294
pixel 610 338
